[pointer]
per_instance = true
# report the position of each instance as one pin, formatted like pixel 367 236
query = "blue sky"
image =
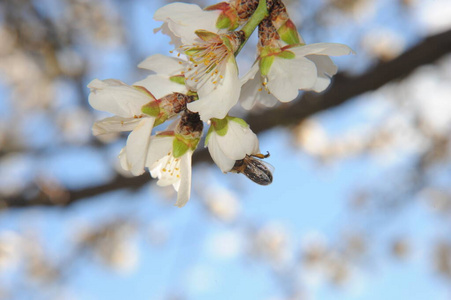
pixel 203 258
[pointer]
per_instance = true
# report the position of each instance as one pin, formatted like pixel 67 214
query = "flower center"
pixel 208 62
pixel 170 168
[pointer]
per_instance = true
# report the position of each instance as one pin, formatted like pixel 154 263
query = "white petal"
pixel 164 65
pixel 123 160
pixel 184 189
pixel 221 160
pixel 324 64
pixel 325 68
pixel 138 145
pixel 114 124
pixel 184 19
pixel 161 86
pixel 217 103
pixel 238 141
pixel 253 91
pixel 287 76
pixel 266 99
pixel 116 97
pixel 250 85
pixel 175 40
pixel 166 171
pixel 321 84
pixel 322 49
pixel 158 148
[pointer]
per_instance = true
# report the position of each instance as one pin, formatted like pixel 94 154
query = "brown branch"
pixel 344 88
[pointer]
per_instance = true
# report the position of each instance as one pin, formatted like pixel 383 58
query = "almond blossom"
pixel 229 140
pixel 213 74
pixel 169 156
pixel 125 102
pixel 279 75
pixel 130 105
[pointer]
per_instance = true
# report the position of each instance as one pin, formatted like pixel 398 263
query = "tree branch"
pixel 344 88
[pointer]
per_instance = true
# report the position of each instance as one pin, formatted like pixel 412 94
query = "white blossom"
pixel 170 170
pixel 229 140
pixel 213 74
pixel 125 102
pixel 305 67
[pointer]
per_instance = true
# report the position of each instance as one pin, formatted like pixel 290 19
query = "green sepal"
pixel 228 19
pixel 265 64
pixel 193 94
pixel 206 35
pixel 169 133
pixel 223 22
pixel 144 91
pixel 286 54
pixel 152 109
pixel 180 79
pixel 160 120
pixel 193 144
pixel 288 33
pixel 239 121
pixel 192 51
pixel 227 43
pixel 179 146
pixel 220 126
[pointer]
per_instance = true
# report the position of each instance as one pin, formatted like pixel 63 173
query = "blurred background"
pixel 360 206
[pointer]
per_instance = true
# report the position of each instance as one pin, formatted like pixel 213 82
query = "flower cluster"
pixel 205 85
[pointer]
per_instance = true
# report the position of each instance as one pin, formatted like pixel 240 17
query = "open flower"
pixel 181 20
pixel 125 102
pixel 279 74
pixel 136 107
pixel 229 140
pixel 169 159
pixel 213 73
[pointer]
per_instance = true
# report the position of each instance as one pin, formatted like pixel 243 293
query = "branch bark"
pixel 344 88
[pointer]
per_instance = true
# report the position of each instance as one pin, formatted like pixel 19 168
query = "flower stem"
pixel 260 13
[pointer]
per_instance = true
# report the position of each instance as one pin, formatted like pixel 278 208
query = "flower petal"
pixel 217 103
pixel 250 85
pixel 221 160
pixel 238 141
pixel 123 159
pixel 325 69
pixel 184 19
pixel 287 76
pixel 184 189
pixel 116 97
pixel 138 145
pixel 332 49
pixel 158 148
pixel 161 86
pixel 163 65
pixel 114 124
